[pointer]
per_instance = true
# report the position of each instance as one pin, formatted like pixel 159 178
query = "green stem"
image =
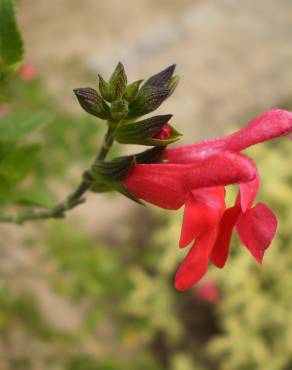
pixel 72 200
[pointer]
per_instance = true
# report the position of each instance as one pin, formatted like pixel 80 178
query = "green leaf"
pixel 11 46
pixel 18 163
pixel 17 125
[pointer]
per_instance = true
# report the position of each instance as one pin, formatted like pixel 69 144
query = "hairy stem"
pixel 71 201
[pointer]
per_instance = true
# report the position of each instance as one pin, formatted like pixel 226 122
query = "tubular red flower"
pixel 167 185
pixel 195 175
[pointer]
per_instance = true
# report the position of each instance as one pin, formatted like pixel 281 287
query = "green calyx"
pixel 132 91
pixel 92 102
pixel 108 176
pixel 119 109
pixel 118 101
pixel 144 132
pixel 149 98
pixel 104 88
pixel 117 82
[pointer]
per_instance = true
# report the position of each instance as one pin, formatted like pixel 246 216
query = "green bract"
pixel 148 99
pixel 92 103
pixel 132 90
pixel 143 132
pixel 117 82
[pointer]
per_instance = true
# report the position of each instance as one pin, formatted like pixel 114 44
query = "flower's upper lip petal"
pixel 167 185
pixel 220 168
pixel 266 126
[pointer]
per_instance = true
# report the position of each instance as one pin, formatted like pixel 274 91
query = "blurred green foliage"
pixel 27 166
pixel 11 46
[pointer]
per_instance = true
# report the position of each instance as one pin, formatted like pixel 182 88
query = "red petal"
pixel 159 184
pixel 195 264
pixel 221 247
pixel 266 126
pixel 221 168
pixel 166 185
pixel 203 209
pixel 248 192
pixel 256 229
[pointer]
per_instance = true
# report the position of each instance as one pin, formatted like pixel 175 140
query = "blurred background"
pixel 95 291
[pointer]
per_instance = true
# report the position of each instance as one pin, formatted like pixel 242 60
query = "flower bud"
pixel 104 89
pixel 148 99
pixel 164 133
pixel 118 82
pixel 174 81
pixel 162 78
pixel 154 131
pixel 119 109
pixel 92 103
pixel 132 90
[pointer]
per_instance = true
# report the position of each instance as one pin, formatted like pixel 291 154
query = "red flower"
pixel 195 175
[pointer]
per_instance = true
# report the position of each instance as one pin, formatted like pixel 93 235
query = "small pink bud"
pixel 164 133
pixel 27 72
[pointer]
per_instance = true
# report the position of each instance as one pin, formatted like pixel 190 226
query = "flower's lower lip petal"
pixel 203 209
pixel 221 246
pixel 195 264
pixel 256 229
pixel 248 192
